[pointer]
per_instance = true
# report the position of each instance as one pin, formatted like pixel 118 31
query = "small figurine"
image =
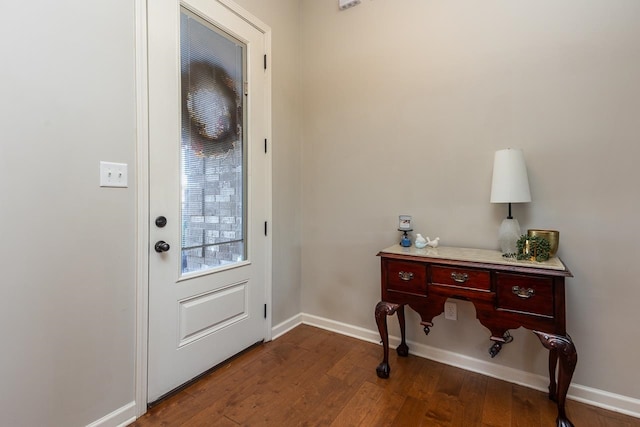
pixel 433 243
pixel 420 241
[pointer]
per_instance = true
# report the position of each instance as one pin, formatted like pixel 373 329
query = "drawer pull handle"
pixel 460 277
pixel 405 275
pixel 522 292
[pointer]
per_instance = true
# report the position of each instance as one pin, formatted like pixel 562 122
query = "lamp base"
pixel 508 235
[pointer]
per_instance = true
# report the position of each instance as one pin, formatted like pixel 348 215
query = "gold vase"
pixel 552 236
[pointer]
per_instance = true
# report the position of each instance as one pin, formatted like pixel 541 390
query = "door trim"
pixel 142 207
pixel 142 191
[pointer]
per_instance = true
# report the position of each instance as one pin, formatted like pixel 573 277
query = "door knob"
pixel 162 246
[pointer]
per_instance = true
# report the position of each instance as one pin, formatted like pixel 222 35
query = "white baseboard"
pixel 119 418
pixel 284 327
pixel 591 396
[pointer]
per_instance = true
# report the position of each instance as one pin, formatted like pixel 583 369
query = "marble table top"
pixel 473 255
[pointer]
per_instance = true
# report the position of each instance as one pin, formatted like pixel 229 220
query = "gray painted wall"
pixel 68 251
pixel 405 103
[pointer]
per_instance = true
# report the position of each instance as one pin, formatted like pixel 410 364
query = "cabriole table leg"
pixel 562 349
pixel 384 309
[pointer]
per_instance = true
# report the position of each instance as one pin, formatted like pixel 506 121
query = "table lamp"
pixel 510 184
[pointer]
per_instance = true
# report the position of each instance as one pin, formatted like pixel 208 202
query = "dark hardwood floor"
pixel 312 377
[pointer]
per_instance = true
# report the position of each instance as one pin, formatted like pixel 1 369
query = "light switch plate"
pixel 113 174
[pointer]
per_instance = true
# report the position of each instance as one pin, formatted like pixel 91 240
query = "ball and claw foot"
pixel 383 370
pixel 403 350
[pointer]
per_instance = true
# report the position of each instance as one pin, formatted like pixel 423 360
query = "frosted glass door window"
pixel 213 163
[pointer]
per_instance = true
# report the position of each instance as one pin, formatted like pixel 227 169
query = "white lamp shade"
pixel 510 181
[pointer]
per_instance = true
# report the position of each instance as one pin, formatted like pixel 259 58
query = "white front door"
pixel 209 189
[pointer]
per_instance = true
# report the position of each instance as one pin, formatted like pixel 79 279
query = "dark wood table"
pixel 507 294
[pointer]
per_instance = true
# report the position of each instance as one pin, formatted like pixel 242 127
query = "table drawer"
pixel 526 294
pixel 406 277
pixel 461 277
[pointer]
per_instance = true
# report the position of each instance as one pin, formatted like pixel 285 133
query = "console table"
pixel 506 294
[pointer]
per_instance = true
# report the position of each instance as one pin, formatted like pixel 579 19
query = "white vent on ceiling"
pixel 346 4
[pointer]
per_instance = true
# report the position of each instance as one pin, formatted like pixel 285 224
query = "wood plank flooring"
pixel 312 377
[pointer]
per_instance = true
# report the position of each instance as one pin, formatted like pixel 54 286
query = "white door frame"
pixel 142 190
